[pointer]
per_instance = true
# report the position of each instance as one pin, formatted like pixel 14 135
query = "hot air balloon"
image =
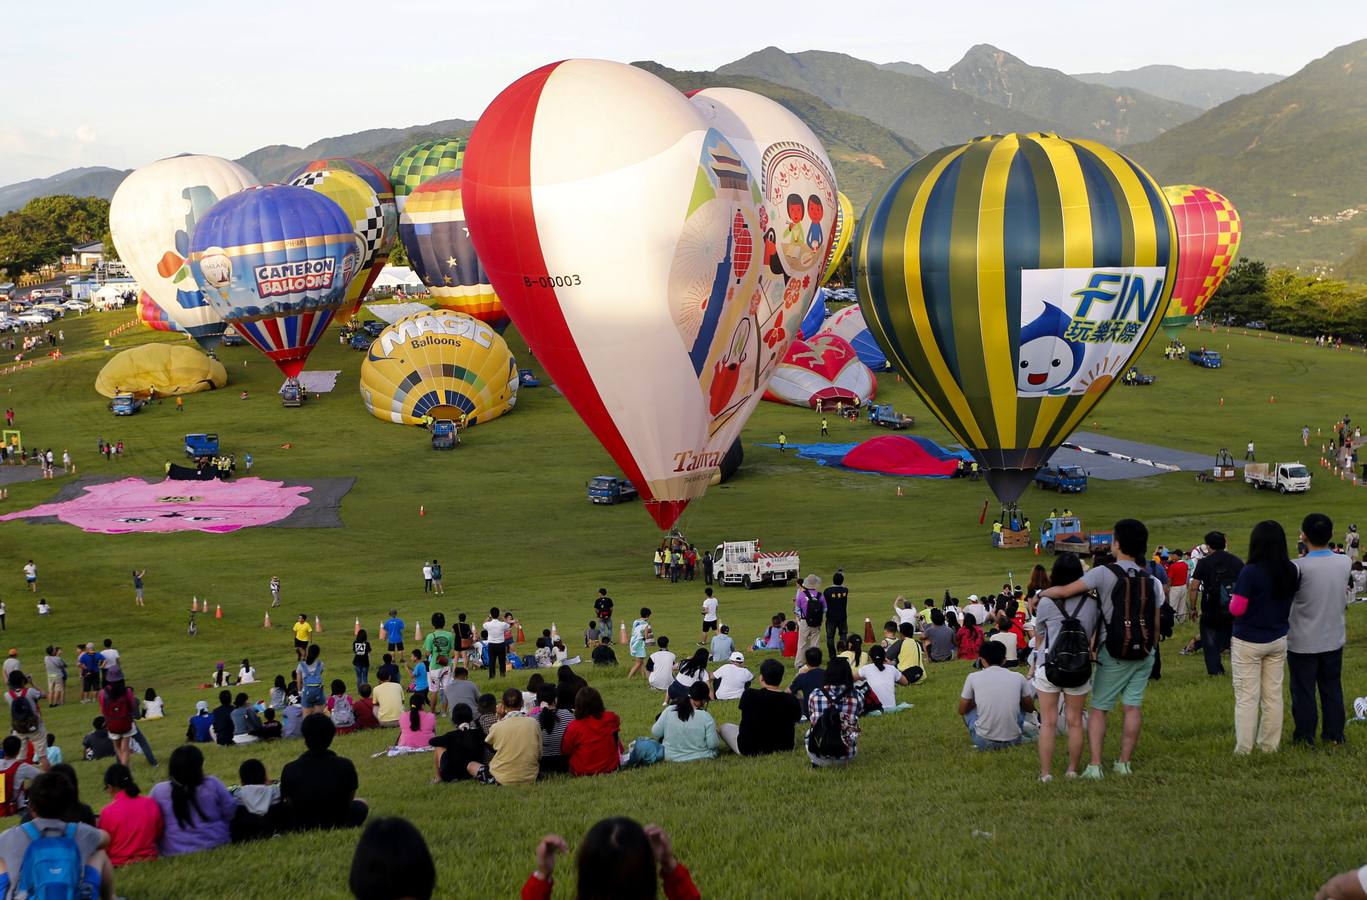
pixel 160 370
pixel 437 239
pixel 419 163
pixel 367 214
pixel 153 316
pixel 840 240
pixel 630 260
pixel 849 324
pixel 276 261
pixel 384 191
pixel 441 364
pixel 1208 230
pixel 151 219
pixel 1010 279
pixel 824 370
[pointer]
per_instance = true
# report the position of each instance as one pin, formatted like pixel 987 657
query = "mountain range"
pixel 1287 151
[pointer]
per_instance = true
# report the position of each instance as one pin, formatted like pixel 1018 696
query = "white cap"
pixel 972 598
pixel 738 657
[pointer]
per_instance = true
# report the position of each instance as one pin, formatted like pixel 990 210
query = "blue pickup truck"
pixel 609 490
pixel 201 446
pixel 124 405
pixel 1064 479
pixel 1206 359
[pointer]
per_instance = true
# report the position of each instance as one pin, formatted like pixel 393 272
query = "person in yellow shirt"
pixel 516 739
pixel 303 631
pixel 389 705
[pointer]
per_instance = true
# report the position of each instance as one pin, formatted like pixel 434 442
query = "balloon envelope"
pixel 276 262
pixel 435 234
pixel 629 259
pixel 840 241
pixel 849 324
pixel 369 223
pixel 1208 232
pixel 423 161
pixel 153 316
pixel 823 370
pixel 441 364
pixel 151 218
pixel 165 369
pixel 1011 279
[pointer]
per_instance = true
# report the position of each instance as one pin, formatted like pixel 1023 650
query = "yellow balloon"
pixel 442 364
pixel 844 230
pixel 166 369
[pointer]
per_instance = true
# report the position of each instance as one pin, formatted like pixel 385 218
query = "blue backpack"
pixel 52 868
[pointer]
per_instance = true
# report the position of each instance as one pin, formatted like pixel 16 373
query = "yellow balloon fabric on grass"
pixel 166 369
pixel 441 364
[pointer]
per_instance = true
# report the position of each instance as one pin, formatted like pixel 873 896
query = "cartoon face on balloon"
pixel 1047 361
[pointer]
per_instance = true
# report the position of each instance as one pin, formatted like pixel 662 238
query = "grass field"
pixel 919 812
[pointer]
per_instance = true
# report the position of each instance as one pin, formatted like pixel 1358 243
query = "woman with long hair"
pixel 1049 615
pixel 692 671
pixel 834 746
pixel 418 725
pixel 686 728
pixel 618 860
pixel 1261 607
pixel 1039 580
pixel 882 677
pixel 117 704
pixel 553 722
pixel 197 808
pixel 133 821
pixel 592 744
pixel 308 678
pixel 968 640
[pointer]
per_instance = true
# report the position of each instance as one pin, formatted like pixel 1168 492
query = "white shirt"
pixel 246 676
pixel 426 572
pixel 1008 641
pixel 709 609
pixel 44 609
pixel 978 611
pixel 30 570
pixel 733 680
pixel 662 673
pixel 497 629
pixel 110 655
pixel 884 683
pixel 906 615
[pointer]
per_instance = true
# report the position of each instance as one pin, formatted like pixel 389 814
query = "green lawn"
pixel 507 515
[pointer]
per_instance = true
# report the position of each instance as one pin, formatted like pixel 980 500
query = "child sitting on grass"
pixel 153 707
pixel 258 802
pixel 271 729
pixel 54 753
pixel 340 708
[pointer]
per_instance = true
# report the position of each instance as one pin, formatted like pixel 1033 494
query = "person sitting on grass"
pixel 767 715
pixel 318 789
pixel 687 729
pixel 553 722
pixel 417 726
pixel 516 742
pixel 388 701
pixel 196 808
pixel 603 655
pixel 810 677
pixel 617 859
pixel 591 634
pixel 199 730
pixel 340 707
pixel 722 646
pixel 882 678
pixel 661 666
pixel 50 795
pixel 968 639
pixel 937 638
pixel 223 719
pixel 271 728
pixel 592 744
pixel 789 637
pixel 454 751
pixel 994 701
pixel 731 679
pixel 693 669
pixel 568 684
pixel 258 801
pixel 907 654
pixel 833 740
pixel 392 861
pixel 772 639
pixel 364 708
pixel 132 821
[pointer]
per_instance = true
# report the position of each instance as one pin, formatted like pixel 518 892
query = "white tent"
pixel 395 277
pixel 111 295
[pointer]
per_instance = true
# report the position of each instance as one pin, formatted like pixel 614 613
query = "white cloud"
pixel 85 134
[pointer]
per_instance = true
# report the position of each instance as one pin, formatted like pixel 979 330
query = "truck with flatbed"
pixel 1283 477
pixel 884 415
pixel 744 563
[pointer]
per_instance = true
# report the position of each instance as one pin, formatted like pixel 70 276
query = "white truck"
pixel 745 564
pixel 1286 477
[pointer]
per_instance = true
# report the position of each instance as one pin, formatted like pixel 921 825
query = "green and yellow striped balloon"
pixel 419 163
pixel 1012 279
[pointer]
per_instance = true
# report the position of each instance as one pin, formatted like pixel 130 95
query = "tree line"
pixel 1289 302
pixel 46 228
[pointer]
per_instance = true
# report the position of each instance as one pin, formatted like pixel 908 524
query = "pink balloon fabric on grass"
pixel 132 505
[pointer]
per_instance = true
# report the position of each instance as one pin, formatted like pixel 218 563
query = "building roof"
pixel 92 247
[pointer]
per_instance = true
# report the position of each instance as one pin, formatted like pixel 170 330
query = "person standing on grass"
pixel 137 586
pixel 55 667
pixel 809 607
pixel 1262 610
pixel 360 657
pixel 496 643
pixel 275 588
pixel 641 635
pixel 837 598
pixel 1213 581
pixel 89 663
pixel 3 611
pixel 303 632
pixel 1122 680
pixel 768 716
pixel 782 442
pixel 31 575
pixel 1179 574
pixel 994 702
pixel 708 566
pixel 393 628
pixel 308 679
pixel 1050 619
pixel 439 642
pixel 602 609
pixel 709 615
pixel 426 577
pixel 26 716
pixel 436 578
pixel 1317 634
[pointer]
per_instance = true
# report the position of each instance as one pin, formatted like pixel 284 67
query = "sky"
pixel 122 84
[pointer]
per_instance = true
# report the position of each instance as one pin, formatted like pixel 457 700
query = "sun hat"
pixel 812 582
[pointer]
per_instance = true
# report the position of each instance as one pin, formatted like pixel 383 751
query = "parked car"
pixel 77 306
pixel 35 317
pixel 373 327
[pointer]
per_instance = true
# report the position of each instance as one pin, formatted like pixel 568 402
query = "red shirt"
pixel 789 643
pixel 678 885
pixel 1178 574
pixel 364 708
pixel 134 825
pixel 592 744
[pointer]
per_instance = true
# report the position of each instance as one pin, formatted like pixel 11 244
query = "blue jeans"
pixel 362 673
pixel 146 746
pixel 971 720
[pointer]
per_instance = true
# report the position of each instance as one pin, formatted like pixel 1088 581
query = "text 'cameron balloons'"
pixel 423 161
pixel 440 251
pixel 153 316
pixel 633 260
pixel 151 218
pixel 1010 279
pixel 1208 229
pixel 276 262
pixel 440 364
pixel 362 206
pixel 840 240
pixel 389 221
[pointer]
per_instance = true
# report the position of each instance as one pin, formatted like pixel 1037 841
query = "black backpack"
pixel 22 715
pixel 827 737
pixel 816 609
pixel 1068 658
pixel 1132 631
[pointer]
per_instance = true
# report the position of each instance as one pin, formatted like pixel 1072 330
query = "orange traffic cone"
pixel 1222 401
pixel 899 490
pixel 422 510
pixel 194 604
pixel 357 629
pixel 868 631
pixel 1037 548
pixel 417 632
pixel 621 632
pixel 521 638
pixel 218 609
pixel 555 632
pixel 267 623
pixel 317 625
